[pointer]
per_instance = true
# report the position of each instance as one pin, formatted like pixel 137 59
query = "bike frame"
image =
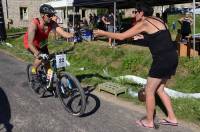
pixel 55 71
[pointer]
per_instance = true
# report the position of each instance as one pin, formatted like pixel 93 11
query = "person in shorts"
pixel 36 38
pixel 108 20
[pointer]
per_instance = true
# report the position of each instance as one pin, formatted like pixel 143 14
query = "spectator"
pixel 85 23
pixel 95 18
pixel 119 19
pixel 93 21
pixel 108 20
pixel 100 23
pixel 158 15
pixel 133 17
pixel 186 23
pixel 164 17
pixel 173 26
pixel 90 18
pixel 165 61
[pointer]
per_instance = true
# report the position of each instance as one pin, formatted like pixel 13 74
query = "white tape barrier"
pixel 142 81
pixel 9 45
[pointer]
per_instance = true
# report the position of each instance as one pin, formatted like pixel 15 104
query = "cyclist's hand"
pixel 43 56
pixel 55 18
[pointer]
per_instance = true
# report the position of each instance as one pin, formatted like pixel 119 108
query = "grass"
pixel 125 60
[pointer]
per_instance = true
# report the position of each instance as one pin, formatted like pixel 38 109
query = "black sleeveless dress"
pixel 164 54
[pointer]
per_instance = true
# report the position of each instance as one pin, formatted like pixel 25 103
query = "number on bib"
pixel 61 61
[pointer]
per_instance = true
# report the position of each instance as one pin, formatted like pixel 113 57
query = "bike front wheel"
pixel 30 76
pixel 71 94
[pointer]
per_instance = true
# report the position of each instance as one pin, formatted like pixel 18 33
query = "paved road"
pixel 22 111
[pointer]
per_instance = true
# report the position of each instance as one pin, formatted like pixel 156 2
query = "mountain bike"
pixel 61 84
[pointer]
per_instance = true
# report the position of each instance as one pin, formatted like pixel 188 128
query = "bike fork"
pixel 67 84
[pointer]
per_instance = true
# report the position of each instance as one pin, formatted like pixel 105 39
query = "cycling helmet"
pixel 47 9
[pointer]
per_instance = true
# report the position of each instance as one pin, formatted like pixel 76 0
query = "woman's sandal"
pixel 166 122
pixel 140 123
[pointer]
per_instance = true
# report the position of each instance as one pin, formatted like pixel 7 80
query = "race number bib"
pixel 61 61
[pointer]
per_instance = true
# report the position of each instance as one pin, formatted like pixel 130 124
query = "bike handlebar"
pixel 52 55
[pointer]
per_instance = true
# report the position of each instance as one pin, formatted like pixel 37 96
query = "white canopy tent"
pixel 61 3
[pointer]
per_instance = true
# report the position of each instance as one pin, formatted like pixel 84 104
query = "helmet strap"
pixel 43 15
pixel 43 18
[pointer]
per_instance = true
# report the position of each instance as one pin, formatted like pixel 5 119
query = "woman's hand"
pixel 70 35
pixel 55 18
pixel 138 36
pixel 98 32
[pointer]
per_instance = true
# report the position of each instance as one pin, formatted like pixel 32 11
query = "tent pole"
pixel 114 42
pixel 67 20
pixel 73 16
pixel 194 24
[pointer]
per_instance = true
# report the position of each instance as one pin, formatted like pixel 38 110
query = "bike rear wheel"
pixel 71 94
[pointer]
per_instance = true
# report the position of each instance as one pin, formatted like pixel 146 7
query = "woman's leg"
pixel 110 41
pixel 167 102
pixel 151 87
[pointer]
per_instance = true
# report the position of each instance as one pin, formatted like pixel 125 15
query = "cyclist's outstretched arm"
pixel 61 32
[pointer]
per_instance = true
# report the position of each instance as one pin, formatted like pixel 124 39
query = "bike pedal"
pixel 50 88
pixel 54 93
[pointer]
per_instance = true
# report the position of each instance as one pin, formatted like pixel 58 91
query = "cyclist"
pixel 35 39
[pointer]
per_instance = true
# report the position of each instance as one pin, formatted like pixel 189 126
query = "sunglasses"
pixel 134 12
pixel 50 15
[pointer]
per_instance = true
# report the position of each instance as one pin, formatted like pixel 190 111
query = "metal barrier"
pixel 15 35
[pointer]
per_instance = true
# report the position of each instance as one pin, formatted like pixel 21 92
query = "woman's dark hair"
pixel 143 6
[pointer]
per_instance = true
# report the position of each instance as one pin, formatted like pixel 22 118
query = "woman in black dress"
pixel 165 60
